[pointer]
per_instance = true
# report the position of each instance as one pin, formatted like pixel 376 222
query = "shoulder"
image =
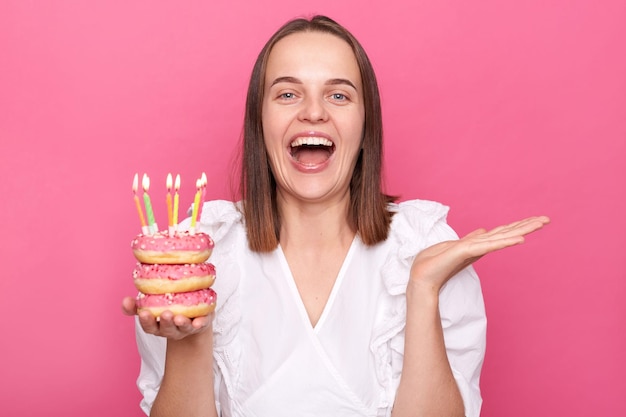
pixel 220 211
pixel 420 208
pixel 415 225
pixel 220 219
pixel 422 222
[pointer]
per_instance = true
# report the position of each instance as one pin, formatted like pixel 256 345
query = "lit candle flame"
pixel 135 183
pixel 145 183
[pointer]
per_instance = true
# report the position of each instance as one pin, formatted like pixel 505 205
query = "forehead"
pixel 312 55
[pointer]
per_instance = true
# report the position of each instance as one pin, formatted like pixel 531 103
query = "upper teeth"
pixel 311 141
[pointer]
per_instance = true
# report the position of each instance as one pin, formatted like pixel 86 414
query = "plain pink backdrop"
pixel 498 109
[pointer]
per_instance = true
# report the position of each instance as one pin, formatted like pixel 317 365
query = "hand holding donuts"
pixel 168 325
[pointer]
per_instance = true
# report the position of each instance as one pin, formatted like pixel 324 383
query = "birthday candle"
pixel 175 214
pixel 196 204
pixel 203 182
pixel 146 200
pixel 144 226
pixel 168 201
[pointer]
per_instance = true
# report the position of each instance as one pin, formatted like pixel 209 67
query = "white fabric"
pixel 270 361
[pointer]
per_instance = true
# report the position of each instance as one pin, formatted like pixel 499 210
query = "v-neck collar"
pixel 291 283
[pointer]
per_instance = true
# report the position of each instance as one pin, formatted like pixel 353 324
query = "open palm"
pixel 435 265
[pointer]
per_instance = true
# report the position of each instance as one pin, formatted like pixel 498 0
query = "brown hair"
pixel 368 212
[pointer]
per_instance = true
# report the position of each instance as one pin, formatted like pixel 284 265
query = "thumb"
pixel 128 306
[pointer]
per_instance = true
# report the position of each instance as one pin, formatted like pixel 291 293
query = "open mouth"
pixel 311 150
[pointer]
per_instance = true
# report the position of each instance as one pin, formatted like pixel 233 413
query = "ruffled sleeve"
pixel 222 221
pixel 417 225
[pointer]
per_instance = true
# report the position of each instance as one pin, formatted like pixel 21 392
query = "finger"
pixel 148 322
pixel 483 247
pixel 518 228
pixel 476 232
pixel 168 326
pixel 183 324
pixel 199 323
pixel 128 306
pixel 503 236
pixel 511 228
pixel 526 227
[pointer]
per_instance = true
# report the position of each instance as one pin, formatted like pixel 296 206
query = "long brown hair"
pixel 368 204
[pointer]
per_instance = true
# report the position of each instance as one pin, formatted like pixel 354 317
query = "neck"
pixel 315 226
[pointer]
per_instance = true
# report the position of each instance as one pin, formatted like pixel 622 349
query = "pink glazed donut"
pixel 181 248
pixel 164 278
pixel 190 304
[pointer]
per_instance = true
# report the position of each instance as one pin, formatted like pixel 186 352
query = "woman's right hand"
pixel 169 326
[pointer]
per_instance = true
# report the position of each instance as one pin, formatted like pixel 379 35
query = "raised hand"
pixel 435 265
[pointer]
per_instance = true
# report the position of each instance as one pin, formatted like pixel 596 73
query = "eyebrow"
pixel 333 81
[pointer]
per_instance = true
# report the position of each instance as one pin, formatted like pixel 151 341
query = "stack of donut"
pixel 173 273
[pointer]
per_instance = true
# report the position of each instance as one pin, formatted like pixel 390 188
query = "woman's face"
pixel 313 116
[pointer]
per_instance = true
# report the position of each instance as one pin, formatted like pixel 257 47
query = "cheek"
pixel 272 140
pixel 272 124
pixel 356 144
pixel 356 125
pixel 273 144
pixel 357 133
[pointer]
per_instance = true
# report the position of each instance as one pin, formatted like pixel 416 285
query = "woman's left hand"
pixel 435 265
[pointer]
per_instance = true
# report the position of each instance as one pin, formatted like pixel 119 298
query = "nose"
pixel 313 110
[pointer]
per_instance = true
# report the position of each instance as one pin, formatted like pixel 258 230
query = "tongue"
pixel 309 155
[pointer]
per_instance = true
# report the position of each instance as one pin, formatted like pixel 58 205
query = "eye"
pixel 287 96
pixel 339 97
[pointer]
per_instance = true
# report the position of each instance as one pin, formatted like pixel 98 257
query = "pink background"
pixel 498 109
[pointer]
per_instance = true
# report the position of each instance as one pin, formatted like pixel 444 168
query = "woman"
pixel 333 301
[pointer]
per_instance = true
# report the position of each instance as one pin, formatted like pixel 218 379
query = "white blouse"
pixel 270 361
